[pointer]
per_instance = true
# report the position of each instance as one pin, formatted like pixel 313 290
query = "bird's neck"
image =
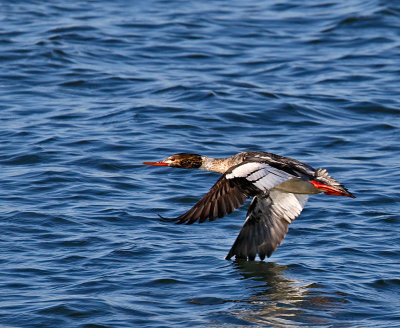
pixel 219 165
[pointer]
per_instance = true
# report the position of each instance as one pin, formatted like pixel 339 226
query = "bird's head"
pixel 185 161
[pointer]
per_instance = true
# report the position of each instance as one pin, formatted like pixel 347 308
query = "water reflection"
pixel 285 302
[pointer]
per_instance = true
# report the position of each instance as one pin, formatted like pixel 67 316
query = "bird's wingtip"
pixel 164 219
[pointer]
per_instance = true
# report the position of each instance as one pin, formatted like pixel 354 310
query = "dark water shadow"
pixel 283 302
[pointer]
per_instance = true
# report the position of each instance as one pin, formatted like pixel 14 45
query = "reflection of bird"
pixel 280 187
pixel 276 300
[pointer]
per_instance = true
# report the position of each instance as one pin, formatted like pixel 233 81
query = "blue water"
pixel 90 89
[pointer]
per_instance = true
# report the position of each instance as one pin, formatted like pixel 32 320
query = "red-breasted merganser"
pixel 279 186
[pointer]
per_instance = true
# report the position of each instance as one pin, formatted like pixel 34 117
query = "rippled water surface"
pixel 90 89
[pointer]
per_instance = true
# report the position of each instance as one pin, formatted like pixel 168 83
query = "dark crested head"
pixel 182 160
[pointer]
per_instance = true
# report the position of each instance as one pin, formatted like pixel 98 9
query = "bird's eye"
pixel 172 158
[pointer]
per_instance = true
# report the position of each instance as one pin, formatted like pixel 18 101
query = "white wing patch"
pixel 287 205
pixel 263 176
pixel 271 178
pixel 262 156
pixel 256 175
pixel 245 169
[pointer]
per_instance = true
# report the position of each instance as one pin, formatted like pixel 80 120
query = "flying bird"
pixel 278 185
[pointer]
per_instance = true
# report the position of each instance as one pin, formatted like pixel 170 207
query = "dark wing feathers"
pixel 240 182
pixel 267 223
pixel 286 164
pixel 224 197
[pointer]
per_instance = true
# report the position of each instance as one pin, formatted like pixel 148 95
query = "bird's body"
pixel 279 186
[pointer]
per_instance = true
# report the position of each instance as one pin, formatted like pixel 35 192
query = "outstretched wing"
pixel 240 182
pixel 267 223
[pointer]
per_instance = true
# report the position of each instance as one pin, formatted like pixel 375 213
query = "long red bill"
pixel 159 163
